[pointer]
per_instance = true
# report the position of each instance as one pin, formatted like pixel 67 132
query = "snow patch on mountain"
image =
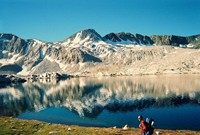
pixel 76 42
pixel 37 42
pixel 10 59
pixel 4 40
pixel 42 55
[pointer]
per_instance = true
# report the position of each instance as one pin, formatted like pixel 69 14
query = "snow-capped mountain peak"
pixel 91 33
pixel 83 36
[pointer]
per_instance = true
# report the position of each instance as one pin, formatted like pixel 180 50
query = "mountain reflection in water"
pixel 88 97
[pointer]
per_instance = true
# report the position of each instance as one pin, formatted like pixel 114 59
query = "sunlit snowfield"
pixel 173 101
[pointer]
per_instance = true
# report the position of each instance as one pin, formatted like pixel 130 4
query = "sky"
pixel 55 20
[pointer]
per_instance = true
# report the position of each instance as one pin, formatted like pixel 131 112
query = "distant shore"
pixel 9 125
pixel 54 76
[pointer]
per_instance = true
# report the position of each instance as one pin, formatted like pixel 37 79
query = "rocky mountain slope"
pixel 88 53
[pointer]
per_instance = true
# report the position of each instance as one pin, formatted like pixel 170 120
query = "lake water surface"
pixel 173 101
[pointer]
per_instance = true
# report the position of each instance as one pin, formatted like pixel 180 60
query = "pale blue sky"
pixel 55 20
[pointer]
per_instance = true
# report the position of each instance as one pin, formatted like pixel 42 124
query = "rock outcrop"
pixel 128 38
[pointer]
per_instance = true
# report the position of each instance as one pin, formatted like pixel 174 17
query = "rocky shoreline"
pixel 35 77
pixel 50 76
pixel 11 79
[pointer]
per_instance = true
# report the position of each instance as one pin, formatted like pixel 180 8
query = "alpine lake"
pixel 173 101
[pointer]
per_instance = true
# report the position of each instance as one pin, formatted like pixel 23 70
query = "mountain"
pixel 137 39
pixel 88 53
pixel 83 36
pixel 128 38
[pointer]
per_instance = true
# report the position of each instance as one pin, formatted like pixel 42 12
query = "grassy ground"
pixel 13 126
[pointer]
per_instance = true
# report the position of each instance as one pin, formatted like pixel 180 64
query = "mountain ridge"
pixel 124 36
pixel 88 53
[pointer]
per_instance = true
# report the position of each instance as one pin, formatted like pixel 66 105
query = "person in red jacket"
pixel 143 126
